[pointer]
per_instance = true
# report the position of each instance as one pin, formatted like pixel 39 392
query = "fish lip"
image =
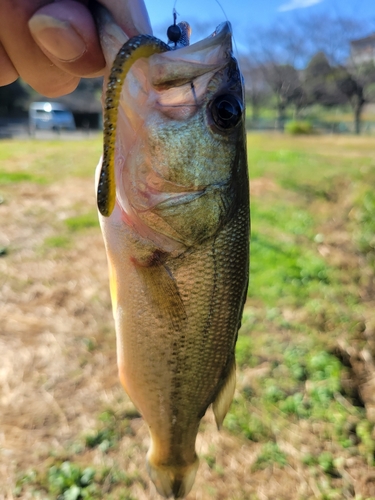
pixel 223 29
pixel 222 33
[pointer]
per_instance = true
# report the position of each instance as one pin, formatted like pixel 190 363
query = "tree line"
pixel 312 60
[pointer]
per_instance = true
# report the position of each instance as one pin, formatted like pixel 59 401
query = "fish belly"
pixel 176 322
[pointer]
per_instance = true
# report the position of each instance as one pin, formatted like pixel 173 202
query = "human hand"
pixel 52 44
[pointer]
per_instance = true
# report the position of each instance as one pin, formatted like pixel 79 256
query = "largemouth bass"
pixel 176 231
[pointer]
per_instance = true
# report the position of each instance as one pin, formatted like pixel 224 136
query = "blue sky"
pixel 245 14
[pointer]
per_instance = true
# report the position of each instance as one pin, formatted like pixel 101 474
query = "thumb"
pixel 65 31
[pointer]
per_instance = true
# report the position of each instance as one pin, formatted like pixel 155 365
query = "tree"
pixel 278 51
pixel 320 44
pixel 319 82
pixel 256 88
pixel 284 81
pixel 356 81
pixel 352 76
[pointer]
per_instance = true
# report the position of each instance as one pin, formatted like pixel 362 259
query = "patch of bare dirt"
pixel 263 185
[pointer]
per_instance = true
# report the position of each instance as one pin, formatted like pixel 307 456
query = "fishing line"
pixel 222 9
pixel 225 15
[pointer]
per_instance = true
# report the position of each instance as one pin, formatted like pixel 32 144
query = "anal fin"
pixel 223 400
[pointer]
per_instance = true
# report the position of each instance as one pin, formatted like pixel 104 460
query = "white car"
pixel 50 116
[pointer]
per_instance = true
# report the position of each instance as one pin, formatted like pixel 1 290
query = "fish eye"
pixel 226 111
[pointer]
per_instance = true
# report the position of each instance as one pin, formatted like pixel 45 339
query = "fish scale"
pixel 177 242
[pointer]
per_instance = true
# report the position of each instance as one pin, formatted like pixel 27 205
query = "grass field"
pixel 302 423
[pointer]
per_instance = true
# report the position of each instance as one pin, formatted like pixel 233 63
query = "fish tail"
pixel 172 480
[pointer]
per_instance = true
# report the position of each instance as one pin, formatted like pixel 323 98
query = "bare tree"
pixel 257 90
pixel 286 86
pixel 277 52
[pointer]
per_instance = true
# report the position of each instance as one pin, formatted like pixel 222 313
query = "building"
pixel 363 50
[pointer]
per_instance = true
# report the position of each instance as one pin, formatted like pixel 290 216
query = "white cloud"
pixel 298 4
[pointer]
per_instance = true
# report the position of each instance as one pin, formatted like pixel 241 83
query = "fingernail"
pixel 57 37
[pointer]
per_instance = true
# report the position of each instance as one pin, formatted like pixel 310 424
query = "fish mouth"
pixel 177 67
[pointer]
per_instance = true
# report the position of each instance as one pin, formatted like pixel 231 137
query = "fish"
pixel 173 204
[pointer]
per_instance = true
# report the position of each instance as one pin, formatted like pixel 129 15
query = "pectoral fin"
pixel 224 399
pixel 162 289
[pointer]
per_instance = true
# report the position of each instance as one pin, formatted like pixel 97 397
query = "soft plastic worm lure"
pixel 135 48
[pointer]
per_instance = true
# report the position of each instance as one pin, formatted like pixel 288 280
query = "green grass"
pixel 48 161
pixel 301 300
pixel 58 241
pixel 113 427
pixel 365 220
pixel 83 221
pixel 67 480
pixel 284 271
pixel 298 127
pixel 15 177
pixel 270 455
